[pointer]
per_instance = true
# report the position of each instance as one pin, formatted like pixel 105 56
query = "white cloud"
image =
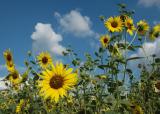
pixel 75 23
pixel 150 48
pixel 149 3
pixel 46 39
pixel 2 84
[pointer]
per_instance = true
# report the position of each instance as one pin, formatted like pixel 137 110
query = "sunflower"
pixel 105 40
pixel 157 27
pixel 157 86
pixel 56 81
pixel 142 27
pixel 129 25
pixel 123 17
pixel 154 32
pixel 136 109
pixel 10 67
pixel 9 60
pixel 44 59
pixel 114 24
pixel 14 78
pixel 20 106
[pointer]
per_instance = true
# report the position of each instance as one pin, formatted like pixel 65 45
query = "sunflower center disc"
pixel 129 25
pixel 156 34
pixel 56 82
pixel 9 57
pixel 105 40
pixel 15 76
pixel 157 85
pixel 140 29
pixel 114 24
pixel 45 60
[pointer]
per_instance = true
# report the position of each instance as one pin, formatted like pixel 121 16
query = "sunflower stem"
pixel 133 39
pixel 125 57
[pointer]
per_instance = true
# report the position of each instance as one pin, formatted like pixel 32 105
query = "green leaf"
pixel 131 48
pixel 25 75
pixel 101 50
pixel 120 61
pixel 33 62
pixel 129 71
pixel 157 60
pixel 103 66
pixel 96 54
pixel 122 5
pixel 134 58
pixel 102 18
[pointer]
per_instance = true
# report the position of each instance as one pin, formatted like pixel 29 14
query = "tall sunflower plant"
pixel 102 83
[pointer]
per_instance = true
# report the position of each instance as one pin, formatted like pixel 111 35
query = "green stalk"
pixel 125 57
pixel 133 39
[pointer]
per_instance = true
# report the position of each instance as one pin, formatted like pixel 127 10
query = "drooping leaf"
pixel 134 58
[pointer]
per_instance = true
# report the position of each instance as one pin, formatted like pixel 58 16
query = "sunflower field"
pixel 102 84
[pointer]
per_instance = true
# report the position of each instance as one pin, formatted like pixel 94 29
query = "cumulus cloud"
pixel 2 84
pixel 149 3
pixel 75 23
pixel 46 39
pixel 150 48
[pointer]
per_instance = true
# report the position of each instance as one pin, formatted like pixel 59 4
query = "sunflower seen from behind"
pixel 129 25
pixel 104 39
pixel 154 32
pixel 56 82
pixel 142 27
pixel 44 59
pixel 123 17
pixel 114 24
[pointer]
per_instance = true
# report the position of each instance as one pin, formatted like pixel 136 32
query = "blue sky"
pixel 18 19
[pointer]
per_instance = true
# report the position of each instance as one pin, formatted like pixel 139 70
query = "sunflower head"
pixel 154 32
pixel 19 106
pixel 8 56
pixel 123 17
pixel 114 24
pixel 157 27
pixel 9 60
pixel 14 78
pixel 142 27
pixel 10 67
pixel 157 86
pixel 129 25
pixel 136 109
pixel 105 40
pixel 56 81
pixel 44 59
